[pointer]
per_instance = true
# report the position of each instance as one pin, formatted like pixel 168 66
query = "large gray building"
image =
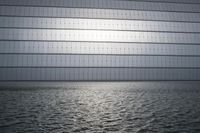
pixel 63 40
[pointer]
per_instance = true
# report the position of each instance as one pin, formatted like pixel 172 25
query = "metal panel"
pixel 108 74
pixel 116 4
pixel 97 61
pixel 98 13
pixel 97 36
pixel 28 47
pixel 97 24
pixel 129 40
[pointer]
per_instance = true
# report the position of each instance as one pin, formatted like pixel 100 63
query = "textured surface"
pixel 64 40
pixel 142 107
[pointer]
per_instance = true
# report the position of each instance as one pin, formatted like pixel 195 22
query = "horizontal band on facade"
pixel 100 80
pixel 98 54
pixel 98 42
pixel 87 7
pixel 100 67
pixel 103 42
pixel 159 20
pixel 98 30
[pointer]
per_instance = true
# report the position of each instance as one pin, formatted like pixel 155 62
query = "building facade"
pixel 99 40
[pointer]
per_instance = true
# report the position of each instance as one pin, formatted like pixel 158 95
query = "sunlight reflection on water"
pixel 101 107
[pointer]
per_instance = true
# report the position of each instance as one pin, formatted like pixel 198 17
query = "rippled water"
pixel 101 107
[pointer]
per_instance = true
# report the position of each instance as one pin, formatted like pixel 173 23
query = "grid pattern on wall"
pixel 101 40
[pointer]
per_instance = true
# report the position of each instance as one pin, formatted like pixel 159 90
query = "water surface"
pixel 100 107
